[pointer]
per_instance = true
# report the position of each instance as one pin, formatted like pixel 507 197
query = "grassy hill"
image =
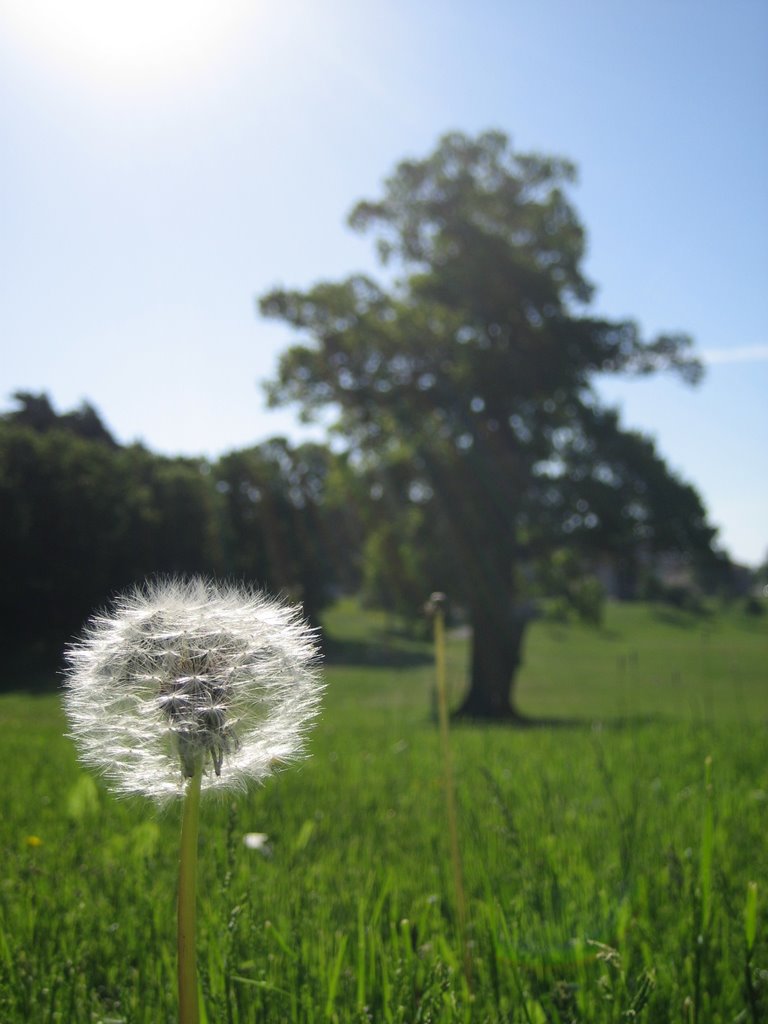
pixel 607 860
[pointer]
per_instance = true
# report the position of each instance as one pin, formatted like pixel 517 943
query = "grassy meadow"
pixel 607 860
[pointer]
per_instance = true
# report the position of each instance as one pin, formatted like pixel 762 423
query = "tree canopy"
pixel 465 390
pixel 82 517
pixel 37 413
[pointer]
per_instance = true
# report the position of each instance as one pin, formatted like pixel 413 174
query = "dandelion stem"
pixel 189 1012
pixel 450 796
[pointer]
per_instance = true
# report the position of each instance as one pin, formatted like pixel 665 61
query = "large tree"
pixel 465 386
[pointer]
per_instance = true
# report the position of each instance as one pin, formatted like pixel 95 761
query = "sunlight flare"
pixel 115 40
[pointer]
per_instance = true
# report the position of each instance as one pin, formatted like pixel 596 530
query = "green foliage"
pixel 754 606
pixel 81 518
pixel 394 568
pixel 37 413
pixel 286 521
pixel 466 389
pixel 591 851
pixel 564 578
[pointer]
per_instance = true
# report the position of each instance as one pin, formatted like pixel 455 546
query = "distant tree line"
pixel 82 517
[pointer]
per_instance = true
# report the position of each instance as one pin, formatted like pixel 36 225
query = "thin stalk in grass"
pixel 750 934
pixel 702 937
pixel 437 607
pixel 189 1011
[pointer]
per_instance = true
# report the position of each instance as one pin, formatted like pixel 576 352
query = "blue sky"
pixel 166 162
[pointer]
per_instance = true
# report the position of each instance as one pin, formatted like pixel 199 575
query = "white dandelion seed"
pixel 185 674
pixel 258 841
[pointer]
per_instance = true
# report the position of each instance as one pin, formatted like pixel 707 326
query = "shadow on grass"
pixel 683 618
pixel 373 654
pixel 560 633
pixel 593 724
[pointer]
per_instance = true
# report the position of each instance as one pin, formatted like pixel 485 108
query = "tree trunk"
pixel 497 641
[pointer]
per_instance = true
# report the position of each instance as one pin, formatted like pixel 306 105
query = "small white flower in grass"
pixel 258 841
pixel 183 674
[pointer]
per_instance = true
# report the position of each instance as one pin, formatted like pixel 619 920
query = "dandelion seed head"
pixel 179 673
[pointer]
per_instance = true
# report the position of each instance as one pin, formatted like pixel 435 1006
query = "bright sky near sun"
pixel 164 162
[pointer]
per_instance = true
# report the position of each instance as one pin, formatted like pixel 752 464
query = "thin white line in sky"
pixel 742 354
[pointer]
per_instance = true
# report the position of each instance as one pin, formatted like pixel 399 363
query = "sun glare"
pixel 123 40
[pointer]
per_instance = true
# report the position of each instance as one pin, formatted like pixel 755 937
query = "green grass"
pixel 607 862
